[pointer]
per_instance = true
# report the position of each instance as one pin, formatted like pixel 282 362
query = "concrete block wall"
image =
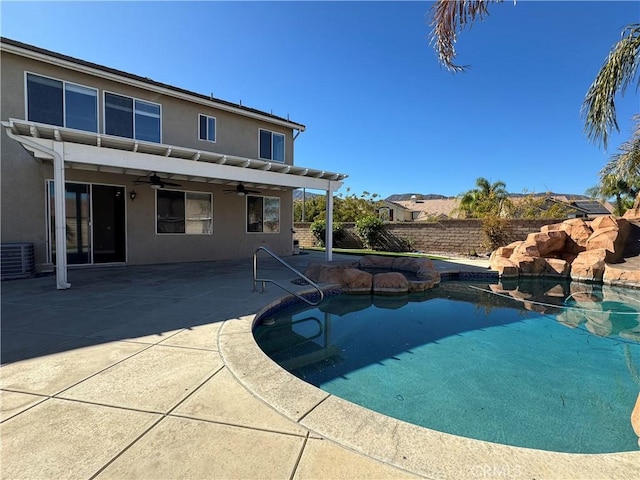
pixel 446 236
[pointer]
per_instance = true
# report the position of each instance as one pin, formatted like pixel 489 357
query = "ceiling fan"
pixel 155 181
pixel 240 190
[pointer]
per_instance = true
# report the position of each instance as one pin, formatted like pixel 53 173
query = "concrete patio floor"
pixel 152 372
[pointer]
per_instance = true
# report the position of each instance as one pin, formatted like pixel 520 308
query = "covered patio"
pixel 70 149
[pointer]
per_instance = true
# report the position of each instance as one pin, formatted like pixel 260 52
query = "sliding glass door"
pixel 95 223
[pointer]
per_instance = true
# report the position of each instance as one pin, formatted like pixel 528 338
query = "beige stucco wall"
pixel 23 179
pixel 236 134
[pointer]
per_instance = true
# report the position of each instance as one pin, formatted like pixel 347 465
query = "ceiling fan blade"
pixel 171 184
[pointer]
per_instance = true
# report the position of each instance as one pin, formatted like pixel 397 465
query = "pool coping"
pixel 422 451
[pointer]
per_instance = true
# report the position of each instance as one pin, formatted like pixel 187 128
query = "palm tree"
pixel 617 72
pixel 624 167
pixel 487 198
pixel 449 17
pixel 612 186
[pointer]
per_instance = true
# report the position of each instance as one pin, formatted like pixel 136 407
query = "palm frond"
pixel 449 18
pixel 626 163
pixel 615 75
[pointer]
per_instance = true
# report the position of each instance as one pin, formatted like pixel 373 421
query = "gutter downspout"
pixel 58 195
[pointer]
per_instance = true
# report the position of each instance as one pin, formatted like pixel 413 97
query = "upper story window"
pixel 131 118
pixel 207 128
pixel 65 104
pixel 271 146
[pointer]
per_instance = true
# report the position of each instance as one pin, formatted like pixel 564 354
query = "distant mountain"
pixel 297 195
pixel 399 197
pixel 569 196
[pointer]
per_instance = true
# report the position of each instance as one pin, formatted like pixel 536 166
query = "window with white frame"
pixel 263 214
pixel 131 118
pixel 207 128
pixel 189 213
pixel 56 102
pixel 271 146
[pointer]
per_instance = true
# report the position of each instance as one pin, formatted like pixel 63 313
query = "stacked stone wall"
pixel 462 237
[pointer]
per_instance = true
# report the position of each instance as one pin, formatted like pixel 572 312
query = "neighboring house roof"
pixel 591 207
pixel 446 207
pixel 431 208
pixel 388 204
pixel 582 205
pixel 239 108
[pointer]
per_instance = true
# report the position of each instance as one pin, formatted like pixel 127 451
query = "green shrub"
pixel 496 231
pixel 319 228
pixel 370 229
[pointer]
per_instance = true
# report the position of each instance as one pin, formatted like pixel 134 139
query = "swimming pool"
pixel 552 366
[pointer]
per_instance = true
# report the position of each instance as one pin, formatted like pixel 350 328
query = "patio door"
pixel 95 223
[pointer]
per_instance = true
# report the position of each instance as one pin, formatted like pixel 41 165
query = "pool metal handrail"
pixel 282 262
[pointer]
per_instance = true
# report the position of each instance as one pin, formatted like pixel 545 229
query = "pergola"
pixel 74 149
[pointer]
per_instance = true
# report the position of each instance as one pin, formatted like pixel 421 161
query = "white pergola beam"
pixel 79 153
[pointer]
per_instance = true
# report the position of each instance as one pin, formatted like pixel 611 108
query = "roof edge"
pixel 25 49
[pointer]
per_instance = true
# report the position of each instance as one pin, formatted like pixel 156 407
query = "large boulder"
pixel 611 238
pixel 376 261
pixel 421 266
pixel 589 265
pixel 621 274
pixel 548 242
pixel 314 269
pixel 504 252
pixel 604 221
pixel 424 283
pixel 524 250
pixel 578 232
pixel 556 267
pixel 539 244
pixel 576 248
pixel 351 279
pixel 504 266
pixel 632 214
pixel 530 266
pixel 390 282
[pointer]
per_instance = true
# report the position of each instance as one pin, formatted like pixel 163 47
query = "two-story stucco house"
pixel 100 166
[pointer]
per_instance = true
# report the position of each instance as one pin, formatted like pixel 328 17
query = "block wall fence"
pixel 462 237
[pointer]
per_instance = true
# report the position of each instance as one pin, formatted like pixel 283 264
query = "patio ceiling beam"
pixel 110 142
pixel 127 160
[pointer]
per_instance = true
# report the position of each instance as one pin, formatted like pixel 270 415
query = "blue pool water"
pixel 551 366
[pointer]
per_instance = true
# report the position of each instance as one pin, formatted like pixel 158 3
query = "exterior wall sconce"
pixel 132 195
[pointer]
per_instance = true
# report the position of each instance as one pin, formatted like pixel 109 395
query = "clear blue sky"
pixel 363 79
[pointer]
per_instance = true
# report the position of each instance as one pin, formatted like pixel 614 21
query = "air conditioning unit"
pixel 17 260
